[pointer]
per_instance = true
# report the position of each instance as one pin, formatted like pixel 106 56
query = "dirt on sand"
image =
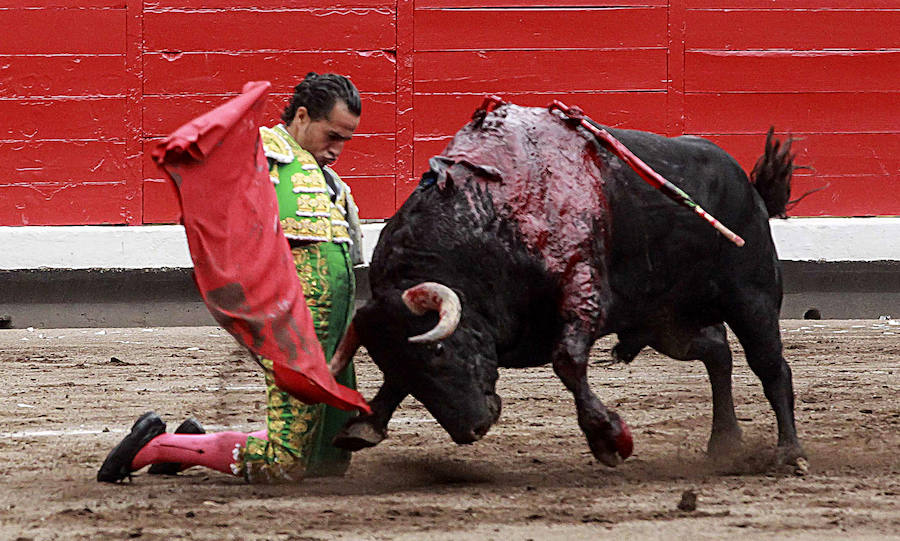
pixel 69 395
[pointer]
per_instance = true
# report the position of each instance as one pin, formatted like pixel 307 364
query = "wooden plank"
pixel 829 154
pixel 62 31
pixel 161 204
pixel 859 172
pixel 847 196
pixel 405 187
pixel 55 161
pixel 134 69
pixel 792 4
pixel 467 29
pixel 211 73
pixel 151 171
pixel 364 157
pixel 547 71
pixel 163 5
pixel 540 4
pixel 439 117
pixel 88 118
pixel 792 71
pixel 374 195
pixel 81 75
pixel 43 4
pixel 425 148
pixel 796 112
pixel 444 114
pixel 405 92
pixel 164 114
pixel 367 155
pixel 676 68
pixel 792 29
pixel 248 30
pixel 62 203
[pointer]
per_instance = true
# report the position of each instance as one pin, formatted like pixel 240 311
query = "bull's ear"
pixel 445 182
pixel 432 177
pixel 437 170
pixel 486 171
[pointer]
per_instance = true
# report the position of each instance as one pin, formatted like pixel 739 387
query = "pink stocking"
pixel 216 451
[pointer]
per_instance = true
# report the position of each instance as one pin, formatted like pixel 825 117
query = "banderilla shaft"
pixel 647 173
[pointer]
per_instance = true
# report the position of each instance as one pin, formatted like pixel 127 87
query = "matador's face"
pixel 324 138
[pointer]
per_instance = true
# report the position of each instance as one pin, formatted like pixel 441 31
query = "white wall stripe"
pixel 837 239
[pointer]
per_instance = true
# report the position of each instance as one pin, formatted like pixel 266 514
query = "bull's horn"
pixel 345 350
pixel 433 296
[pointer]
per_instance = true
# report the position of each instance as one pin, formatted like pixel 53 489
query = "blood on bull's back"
pixel 548 180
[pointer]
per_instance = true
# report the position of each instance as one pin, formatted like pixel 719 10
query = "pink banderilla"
pixel 645 171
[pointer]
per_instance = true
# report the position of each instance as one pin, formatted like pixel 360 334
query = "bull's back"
pixel 666 258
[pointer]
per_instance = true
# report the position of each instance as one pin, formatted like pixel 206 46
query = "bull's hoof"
pixel 609 437
pixel 358 434
pixel 607 458
pixel 613 450
pixel 792 459
pixel 723 447
pixel 801 467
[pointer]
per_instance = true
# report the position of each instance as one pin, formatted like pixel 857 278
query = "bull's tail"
pixel 772 175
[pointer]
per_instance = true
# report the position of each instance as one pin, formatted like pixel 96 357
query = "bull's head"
pixel 425 344
pixel 440 341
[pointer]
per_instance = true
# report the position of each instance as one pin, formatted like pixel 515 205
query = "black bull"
pixel 549 242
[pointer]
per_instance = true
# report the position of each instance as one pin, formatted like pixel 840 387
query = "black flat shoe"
pixel 117 465
pixel 189 426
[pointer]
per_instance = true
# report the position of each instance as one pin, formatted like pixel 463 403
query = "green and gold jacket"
pixel 306 211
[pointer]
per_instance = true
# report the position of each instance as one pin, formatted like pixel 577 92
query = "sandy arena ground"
pixel 68 395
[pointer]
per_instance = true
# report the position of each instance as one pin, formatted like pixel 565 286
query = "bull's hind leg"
pixel 607 435
pixel 756 326
pixel 710 345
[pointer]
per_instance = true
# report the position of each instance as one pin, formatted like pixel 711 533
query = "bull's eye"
pixel 438 349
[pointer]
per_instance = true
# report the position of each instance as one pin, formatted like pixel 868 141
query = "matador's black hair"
pixel 319 93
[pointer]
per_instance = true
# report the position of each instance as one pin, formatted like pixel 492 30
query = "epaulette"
pixel 275 146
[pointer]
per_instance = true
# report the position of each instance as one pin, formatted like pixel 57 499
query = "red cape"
pixel 242 262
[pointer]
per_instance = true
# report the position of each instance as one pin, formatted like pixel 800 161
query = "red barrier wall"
pixel 87 86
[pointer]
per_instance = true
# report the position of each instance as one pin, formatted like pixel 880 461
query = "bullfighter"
pixel 319 218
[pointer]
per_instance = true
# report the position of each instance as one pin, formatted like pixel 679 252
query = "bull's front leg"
pixel 369 430
pixel 607 434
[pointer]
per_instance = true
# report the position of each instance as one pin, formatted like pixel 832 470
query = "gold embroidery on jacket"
pixel 317 218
